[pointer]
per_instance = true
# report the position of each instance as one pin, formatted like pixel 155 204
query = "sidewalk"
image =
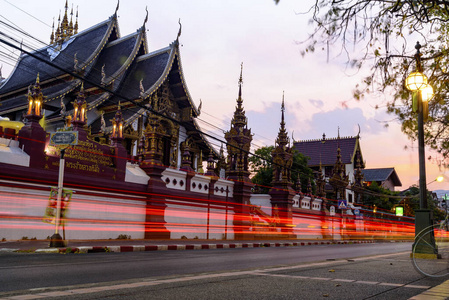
pixel 91 246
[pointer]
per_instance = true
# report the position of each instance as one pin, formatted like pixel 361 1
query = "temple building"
pixel 339 160
pixel 112 71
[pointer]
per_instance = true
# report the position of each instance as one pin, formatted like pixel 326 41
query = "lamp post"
pixel 422 93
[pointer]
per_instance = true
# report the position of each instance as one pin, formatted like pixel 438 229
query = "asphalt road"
pixel 379 271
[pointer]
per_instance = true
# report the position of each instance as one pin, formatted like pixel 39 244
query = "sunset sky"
pixel 217 36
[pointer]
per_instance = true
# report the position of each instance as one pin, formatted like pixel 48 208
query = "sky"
pixel 216 37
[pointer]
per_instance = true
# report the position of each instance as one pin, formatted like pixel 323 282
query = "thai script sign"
pixel 64 138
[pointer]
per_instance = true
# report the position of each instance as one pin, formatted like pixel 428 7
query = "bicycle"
pixel 430 253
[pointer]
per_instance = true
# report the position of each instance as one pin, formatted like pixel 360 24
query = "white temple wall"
pixel 185 220
pixel 89 217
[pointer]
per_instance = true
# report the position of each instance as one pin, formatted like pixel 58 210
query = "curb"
pixel 139 248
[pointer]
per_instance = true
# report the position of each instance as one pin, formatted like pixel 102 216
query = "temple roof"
pixel 324 151
pixel 80 50
pixel 121 65
pixel 382 174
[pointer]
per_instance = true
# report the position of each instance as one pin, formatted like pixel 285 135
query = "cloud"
pixel 316 103
pixel 348 120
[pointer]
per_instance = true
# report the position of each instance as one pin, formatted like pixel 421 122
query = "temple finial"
pixel 117 7
pixel 199 107
pixel 240 80
pixel 180 28
pixel 70 28
pixel 283 106
pixel 75 27
pixel 146 17
pixel 65 22
pixel 52 36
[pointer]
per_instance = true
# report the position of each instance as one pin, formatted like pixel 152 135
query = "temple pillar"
pixel 239 139
pixel 282 192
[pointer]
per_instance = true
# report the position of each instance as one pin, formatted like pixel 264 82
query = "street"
pixel 358 271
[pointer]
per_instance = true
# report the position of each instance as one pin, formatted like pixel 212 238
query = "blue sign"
pixel 342 204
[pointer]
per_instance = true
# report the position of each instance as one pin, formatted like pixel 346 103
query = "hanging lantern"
pixel 415 81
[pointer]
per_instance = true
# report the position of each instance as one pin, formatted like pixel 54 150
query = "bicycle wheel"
pixel 431 252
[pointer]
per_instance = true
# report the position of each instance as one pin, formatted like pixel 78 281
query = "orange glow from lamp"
pixel 120 131
pixel 83 111
pixel 30 105
pixel 114 128
pixel 75 114
pixel 37 107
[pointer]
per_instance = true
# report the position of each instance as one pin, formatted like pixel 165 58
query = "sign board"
pixel 342 204
pixel 64 138
pixel 332 210
pixel 356 212
pixel 399 211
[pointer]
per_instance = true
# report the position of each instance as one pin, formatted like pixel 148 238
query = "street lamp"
pixel 422 93
pixel 438 179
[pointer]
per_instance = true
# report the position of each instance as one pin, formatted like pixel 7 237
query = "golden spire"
pixel 52 36
pixel 75 28
pixel 58 30
pixel 65 28
pixel 70 29
pixel 65 23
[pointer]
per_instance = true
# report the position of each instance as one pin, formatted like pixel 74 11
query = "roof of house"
pixel 324 151
pixel 382 174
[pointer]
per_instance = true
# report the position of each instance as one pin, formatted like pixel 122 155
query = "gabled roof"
pixel 382 174
pixel 324 151
pixel 120 64
pixel 85 46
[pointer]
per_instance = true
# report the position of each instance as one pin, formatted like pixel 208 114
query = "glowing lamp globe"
pixel 415 81
pixel 427 92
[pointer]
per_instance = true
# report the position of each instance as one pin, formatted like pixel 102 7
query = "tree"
pixel 379 31
pixel 380 197
pixel 261 167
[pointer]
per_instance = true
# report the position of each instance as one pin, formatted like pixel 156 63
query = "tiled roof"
pixel 84 45
pixel 128 67
pixel 112 58
pixel 381 174
pixel 325 152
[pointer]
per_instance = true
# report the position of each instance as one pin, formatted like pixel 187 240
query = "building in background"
pixel 384 177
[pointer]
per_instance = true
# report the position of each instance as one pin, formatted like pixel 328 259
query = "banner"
pixel 50 211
